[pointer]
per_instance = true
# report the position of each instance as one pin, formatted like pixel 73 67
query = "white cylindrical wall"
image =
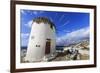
pixel 51 35
pixel 39 33
pixel 37 37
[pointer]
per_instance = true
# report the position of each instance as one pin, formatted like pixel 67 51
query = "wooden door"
pixel 47 48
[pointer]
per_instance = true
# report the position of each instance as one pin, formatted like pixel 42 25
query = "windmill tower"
pixel 42 40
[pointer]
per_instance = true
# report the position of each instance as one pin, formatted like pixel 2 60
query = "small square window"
pixel 32 37
pixel 37 45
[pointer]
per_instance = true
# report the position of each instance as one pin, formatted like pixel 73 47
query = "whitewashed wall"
pixel 38 36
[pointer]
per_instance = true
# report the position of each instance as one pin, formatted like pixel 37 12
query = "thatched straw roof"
pixel 44 20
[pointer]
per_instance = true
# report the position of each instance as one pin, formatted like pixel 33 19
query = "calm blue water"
pixel 57 47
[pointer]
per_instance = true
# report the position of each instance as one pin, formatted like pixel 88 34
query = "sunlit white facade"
pixel 41 45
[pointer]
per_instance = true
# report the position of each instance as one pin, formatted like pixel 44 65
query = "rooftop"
pixel 44 20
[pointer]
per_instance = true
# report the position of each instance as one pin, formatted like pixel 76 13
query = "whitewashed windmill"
pixel 42 40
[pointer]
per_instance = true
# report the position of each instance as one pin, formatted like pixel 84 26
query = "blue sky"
pixel 69 25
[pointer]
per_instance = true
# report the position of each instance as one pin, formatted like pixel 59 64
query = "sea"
pixel 57 47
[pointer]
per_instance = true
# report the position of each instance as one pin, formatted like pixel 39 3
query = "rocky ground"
pixel 62 56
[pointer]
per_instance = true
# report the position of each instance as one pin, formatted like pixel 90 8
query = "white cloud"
pixel 24 39
pixel 67 31
pixel 37 12
pixel 24 43
pixel 29 23
pixel 79 33
pixel 23 12
pixel 74 36
pixel 24 35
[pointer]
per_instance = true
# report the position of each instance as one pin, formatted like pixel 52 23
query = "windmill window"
pixel 32 37
pixel 37 45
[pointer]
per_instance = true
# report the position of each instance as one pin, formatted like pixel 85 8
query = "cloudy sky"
pixel 70 26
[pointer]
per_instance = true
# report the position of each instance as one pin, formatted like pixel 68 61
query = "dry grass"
pixel 84 57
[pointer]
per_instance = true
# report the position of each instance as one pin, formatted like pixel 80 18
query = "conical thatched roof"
pixel 44 20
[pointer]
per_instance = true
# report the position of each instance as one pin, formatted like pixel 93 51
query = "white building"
pixel 42 40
